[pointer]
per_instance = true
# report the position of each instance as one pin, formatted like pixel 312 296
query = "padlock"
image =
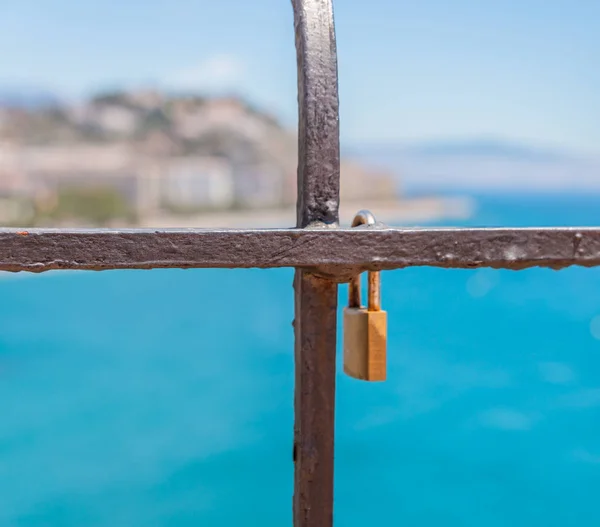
pixel 365 329
pixel 365 333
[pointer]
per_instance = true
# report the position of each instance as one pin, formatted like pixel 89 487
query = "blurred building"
pixel 197 183
pixel 48 169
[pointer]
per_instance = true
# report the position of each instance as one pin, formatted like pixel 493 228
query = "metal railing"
pixel 323 254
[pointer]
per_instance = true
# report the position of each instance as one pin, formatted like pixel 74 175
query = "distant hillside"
pixel 38 118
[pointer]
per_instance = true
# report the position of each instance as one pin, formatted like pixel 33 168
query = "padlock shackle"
pixel 374 291
pixel 365 217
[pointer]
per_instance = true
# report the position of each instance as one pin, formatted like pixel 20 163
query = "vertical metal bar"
pixel 314 402
pixel 318 124
pixel 315 298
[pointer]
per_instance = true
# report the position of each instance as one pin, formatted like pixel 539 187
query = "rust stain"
pixel 23 233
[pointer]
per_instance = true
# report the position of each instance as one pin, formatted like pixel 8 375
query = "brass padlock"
pixel 365 329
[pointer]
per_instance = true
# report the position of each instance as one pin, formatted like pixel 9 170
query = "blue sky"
pixel 522 70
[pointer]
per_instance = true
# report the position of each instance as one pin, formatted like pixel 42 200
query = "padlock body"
pixel 365 343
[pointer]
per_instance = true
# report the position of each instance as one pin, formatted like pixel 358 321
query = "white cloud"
pixel 219 72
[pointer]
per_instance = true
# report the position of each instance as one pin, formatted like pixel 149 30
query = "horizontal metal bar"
pixel 335 252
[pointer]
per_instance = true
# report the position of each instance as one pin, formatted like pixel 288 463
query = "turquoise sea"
pixel 164 398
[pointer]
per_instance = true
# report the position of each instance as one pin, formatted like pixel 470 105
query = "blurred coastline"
pixel 146 157
pixel 398 212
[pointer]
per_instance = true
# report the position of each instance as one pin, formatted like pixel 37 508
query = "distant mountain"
pixel 483 164
pixel 27 98
pixel 487 148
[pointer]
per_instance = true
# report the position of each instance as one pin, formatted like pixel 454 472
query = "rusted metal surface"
pixel 318 119
pixel 340 253
pixel 314 401
pixel 315 297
